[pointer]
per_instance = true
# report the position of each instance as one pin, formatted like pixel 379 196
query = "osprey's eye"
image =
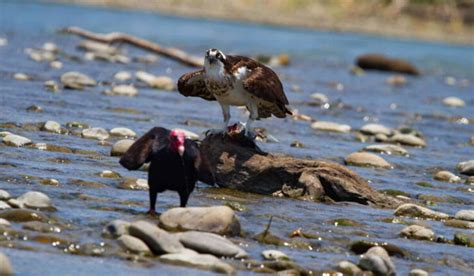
pixel 218 55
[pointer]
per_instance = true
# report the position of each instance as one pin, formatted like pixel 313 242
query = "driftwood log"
pixel 240 164
pixel 383 63
pixel 115 37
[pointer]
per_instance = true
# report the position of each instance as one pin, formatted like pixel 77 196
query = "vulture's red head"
pixel 177 139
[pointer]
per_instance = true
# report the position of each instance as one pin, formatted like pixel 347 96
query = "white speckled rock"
pixel 4 195
pixel 133 244
pixel 377 260
pixel 52 126
pixel 36 200
pixel 201 261
pixel 366 159
pixel 387 149
pixel 330 126
pixel 447 177
pixel 417 232
pixel 16 140
pixel 210 243
pixel 374 129
pixel 275 255
pixel 5 266
pixel 122 131
pixel 95 133
pixel 215 219
pixel 158 240
pixel 122 76
pixel 121 146
pixel 413 210
pixel 465 215
pixel 453 102
pixel 466 167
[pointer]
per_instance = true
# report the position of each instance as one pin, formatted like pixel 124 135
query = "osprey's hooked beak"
pixel 211 59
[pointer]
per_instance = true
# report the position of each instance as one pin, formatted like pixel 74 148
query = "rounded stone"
pixel 374 129
pixel 120 147
pixel 5 265
pixel 413 210
pixel 465 215
pixel 4 205
pixel 210 243
pixel 52 126
pixel 4 195
pixel 76 80
pixel 4 222
pixel 417 232
pixel 447 177
pixel 51 85
pixel 124 90
pixel 407 139
pixel 418 272
pixel 133 244
pixel 348 268
pixel 275 255
pixel 215 219
pixel 122 131
pixel 36 200
pixel 134 184
pixel 387 149
pixel 453 102
pixel 122 76
pixel 56 64
pixel 95 133
pixel 366 159
pixel 319 98
pixel 377 260
pixel 21 76
pixel 466 167
pixel 158 240
pixel 188 257
pixel 116 228
pixel 16 140
pixel 330 126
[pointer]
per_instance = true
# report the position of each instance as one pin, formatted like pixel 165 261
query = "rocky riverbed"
pixel 70 107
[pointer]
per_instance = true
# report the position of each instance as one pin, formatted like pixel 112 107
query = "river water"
pixel 320 62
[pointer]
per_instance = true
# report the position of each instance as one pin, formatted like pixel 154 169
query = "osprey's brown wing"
pixel 264 84
pixel 192 85
pixel 140 151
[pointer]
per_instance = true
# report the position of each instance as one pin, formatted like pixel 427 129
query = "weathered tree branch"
pixel 116 37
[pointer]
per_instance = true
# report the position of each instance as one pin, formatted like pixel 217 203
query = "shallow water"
pixel 318 61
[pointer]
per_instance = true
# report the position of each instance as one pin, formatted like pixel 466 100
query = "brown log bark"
pixel 172 53
pixel 239 164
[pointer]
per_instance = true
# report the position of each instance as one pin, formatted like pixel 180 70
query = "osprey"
pixel 176 163
pixel 237 81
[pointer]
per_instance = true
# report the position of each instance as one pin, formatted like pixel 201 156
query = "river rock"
pixel 465 215
pixel 383 63
pixel 134 184
pixel 417 232
pixel 376 259
pixel 319 98
pixel 36 200
pixel 123 90
pixel 366 159
pixel 97 47
pixel 418 272
pixel 4 195
pixel 123 76
pixel 122 131
pixel 466 167
pixel 202 261
pixel 158 240
pixel 41 227
pixel 413 210
pixel 396 80
pixel 121 146
pixel 132 244
pixel 4 205
pixel 21 76
pixel 465 239
pixel 51 85
pixel 95 133
pixel 447 177
pixel 459 223
pixel 453 102
pixel 56 64
pixel 274 255
pixel 407 139
pixel 116 228
pixel 161 82
pixel 215 219
pixel 387 149
pixel 4 222
pixel 52 126
pixel 16 140
pixel 21 215
pixel 5 266
pixel 210 243
pixel 76 80
pixel 373 129
pixel 330 126
pixel 349 268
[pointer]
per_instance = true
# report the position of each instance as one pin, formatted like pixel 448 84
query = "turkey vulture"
pixel 175 163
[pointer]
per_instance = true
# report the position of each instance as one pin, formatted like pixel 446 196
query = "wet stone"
pixel 122 131
pixel 418 272
pixel 109 174
pixel 122 76
pixel 51 85
pixel 447 177
pixel 215 219
pixel 417 232
pixel 373 129
pixel 466 167
pixel 41 227
pixel 465 239
pixel 123 90
pixel 453 102
pixel 21 215
pixel 76 80
pixel 345 222
pixel 158 240
pixel 319 98
pixel 116 228
pixel 4 205
pixel 467 215
pixel 210 243
pixel 274 255
pixel 366 159
pixel 459 224
pixel 359 247
pixel 377 260
pixel 348 268
pixel 413 210
pixel 330 126
pixel 56 64
pixel 396 80
pixel 134 184
pixel 133 244
pixel 408 139
pixel 95 133
pixel 21 76
pixel 387 149
pixel 4 195
pixel 34 108
pixel 77 125
pixel 16 140
pixel 5 265
pixel 202 261
pixel 52 126
pixel 4 222
pixel 120 147
pixel 36 200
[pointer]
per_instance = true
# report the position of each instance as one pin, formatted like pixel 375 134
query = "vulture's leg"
pixel 253 109
pixel 183 197
pixel 153 195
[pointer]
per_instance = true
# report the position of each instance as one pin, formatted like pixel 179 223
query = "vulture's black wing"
pixel 140 151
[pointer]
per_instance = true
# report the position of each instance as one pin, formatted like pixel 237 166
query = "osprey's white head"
pixel 214 63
